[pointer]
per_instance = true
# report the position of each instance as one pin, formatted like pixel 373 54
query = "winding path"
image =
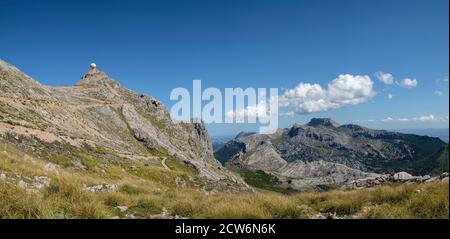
pixel 163 162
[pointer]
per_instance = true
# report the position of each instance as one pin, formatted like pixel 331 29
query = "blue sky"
pixel 153 47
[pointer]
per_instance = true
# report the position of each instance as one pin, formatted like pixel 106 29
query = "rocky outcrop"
pixel 244 134
pixel 101 188
pixel 400 177
pixel 323 122
pixel 30 184
pixel 323 152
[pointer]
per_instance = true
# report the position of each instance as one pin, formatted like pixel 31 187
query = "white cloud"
pixel 343 91
pixel 250 112
pixel 289 114
pixel 388 119
pixel 424 118
pixel 444 79
pixel 390 96
pixel 260 111
pixel 438 93
pixel 408 83
pixel 364 121
pixel 386 78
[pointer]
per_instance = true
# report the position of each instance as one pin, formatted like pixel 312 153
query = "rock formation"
pixel 324 153
pixel 99 113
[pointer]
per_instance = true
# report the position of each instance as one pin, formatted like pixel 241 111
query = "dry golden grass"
pixel 147 193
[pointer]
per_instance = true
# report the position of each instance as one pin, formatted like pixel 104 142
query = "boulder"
pixel 50 167
pixel 402 176
pixel 122 208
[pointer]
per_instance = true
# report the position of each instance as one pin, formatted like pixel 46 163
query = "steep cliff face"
pixel 324 153
pixel 98 113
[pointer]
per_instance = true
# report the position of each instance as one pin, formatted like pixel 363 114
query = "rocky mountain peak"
pixel 94 77
pixel 244 134
pixel 325 122
pixel 324 153
pixel 99 113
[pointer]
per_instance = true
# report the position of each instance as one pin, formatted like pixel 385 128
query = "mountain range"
pixel 99 150
pixel 323 153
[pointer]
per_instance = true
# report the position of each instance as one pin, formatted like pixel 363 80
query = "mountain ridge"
pixel 323 152
pixel 99 112
pixel 99 150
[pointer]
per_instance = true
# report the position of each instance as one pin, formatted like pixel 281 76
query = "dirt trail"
pixel 163 162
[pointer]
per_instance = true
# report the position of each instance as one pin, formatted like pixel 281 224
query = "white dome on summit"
pixel 93 66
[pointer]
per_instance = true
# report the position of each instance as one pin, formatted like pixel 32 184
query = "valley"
pixel 99 150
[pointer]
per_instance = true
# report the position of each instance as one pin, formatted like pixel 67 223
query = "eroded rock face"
pixel 323 152
pixel 99 113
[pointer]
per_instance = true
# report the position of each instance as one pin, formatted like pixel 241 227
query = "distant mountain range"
pixel 99 115
pixel 219 141
pixel 440 133
pixel 99 150
pixel 323 152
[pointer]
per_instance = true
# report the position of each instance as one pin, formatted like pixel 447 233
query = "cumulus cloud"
pixel 261 111
pixel 248 112
pixel 388 119
pixel 390 96
pixel 386 78
pixel 408 83
pixel 438 93
pixel 345 90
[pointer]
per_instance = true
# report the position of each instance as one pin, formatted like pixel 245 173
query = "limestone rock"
pixel 122 208
pixel 50 167
pixel 101 188
pixel 323 153
pixel 402 176
pixel 100 113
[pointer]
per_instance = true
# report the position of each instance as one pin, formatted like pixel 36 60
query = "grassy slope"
pixel 263 180
pixel 435 164
pixel 150 188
